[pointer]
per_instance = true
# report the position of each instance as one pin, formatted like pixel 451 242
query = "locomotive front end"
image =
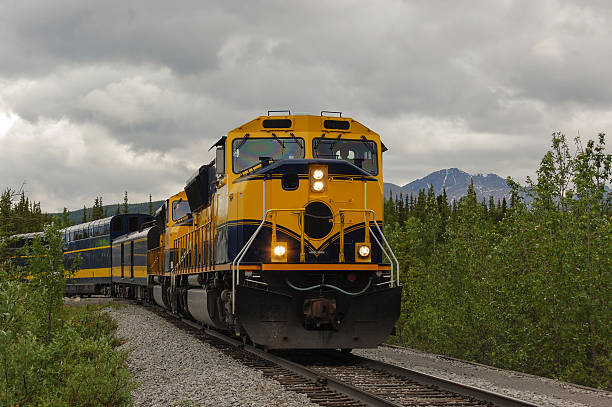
pixel 310 266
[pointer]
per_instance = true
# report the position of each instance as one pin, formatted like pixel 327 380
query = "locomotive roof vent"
pixel 336 124
pixel 276 123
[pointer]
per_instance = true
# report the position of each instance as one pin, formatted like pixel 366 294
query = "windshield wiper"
pixel 333 144
pixel 299 142
pixel 278 141
pixel 244 140
pixel 364 140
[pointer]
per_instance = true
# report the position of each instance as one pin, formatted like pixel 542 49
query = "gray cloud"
pixel 107 97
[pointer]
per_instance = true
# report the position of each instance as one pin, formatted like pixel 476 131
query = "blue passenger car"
pixel 93 241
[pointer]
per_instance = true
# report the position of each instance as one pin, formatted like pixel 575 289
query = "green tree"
pixel 97 211
pixel 94 210
pixel 48 352
pixel 523 287
pixel 7 226
pixel 64 220
pixel 48 278
pixel 126 206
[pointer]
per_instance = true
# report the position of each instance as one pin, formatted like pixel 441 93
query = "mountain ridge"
pixel 455 182
pixel 142 207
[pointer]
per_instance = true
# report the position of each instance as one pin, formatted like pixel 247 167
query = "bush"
pixel 52 355
pixel 528 287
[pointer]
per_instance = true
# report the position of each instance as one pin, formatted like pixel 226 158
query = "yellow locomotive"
pixel 284 241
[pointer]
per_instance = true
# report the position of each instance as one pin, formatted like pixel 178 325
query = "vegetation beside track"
pixel 522 287
pixel 51 354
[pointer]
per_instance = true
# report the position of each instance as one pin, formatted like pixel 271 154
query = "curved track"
pixel 334 378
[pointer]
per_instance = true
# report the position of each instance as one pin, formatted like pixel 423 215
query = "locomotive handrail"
pixel 386 254
pixel 179 263
pixel 392 257
pixel 183 245
pixel 388 246
pixel 242 252
pixel 240 255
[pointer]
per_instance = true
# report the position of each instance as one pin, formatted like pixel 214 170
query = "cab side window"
pixel 220 161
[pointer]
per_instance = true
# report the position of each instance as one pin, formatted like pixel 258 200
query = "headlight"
pixel 318 178
pixel 280 250
pixel 318 186
pixel 318 174
pixel 364 251
pixel 278 253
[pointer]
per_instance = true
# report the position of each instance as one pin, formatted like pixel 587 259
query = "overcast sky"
pixel 101 97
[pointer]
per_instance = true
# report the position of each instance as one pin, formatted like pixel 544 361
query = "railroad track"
pixel 334 378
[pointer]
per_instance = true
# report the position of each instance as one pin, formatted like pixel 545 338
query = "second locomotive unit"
pixel 283 243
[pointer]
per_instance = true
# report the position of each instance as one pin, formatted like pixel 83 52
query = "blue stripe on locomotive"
pixel 232 236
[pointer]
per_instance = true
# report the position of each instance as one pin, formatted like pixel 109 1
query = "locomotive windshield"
pixel 246 152
pixel 362 153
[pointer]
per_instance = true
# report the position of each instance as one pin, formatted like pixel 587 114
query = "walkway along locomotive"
pixel 284 243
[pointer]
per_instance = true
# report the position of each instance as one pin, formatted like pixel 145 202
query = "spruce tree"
pixel 400 208
pixel 126 207
pixel 65 220
pixel 84 218
pixel 94 211
pixel 150 205
pixel 101 208
pixel 444 211
pixel 7 226
pixel 411 204
pixel 492 210
pixel 420 205
pixel 389 211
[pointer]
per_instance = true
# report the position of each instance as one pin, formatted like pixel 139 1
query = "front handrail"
pixel 245 248
pixel 235 266
pixel 397 270
pixel 391 257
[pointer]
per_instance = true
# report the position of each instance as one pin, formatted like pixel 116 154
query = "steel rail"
pixel 328 381
pixel 364 396
pixel 350 391
pixel 497 399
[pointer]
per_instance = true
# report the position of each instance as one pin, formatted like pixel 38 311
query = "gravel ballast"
pixel 534 389
pixel 174 368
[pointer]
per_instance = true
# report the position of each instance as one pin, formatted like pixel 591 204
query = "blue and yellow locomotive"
pixel 285 241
